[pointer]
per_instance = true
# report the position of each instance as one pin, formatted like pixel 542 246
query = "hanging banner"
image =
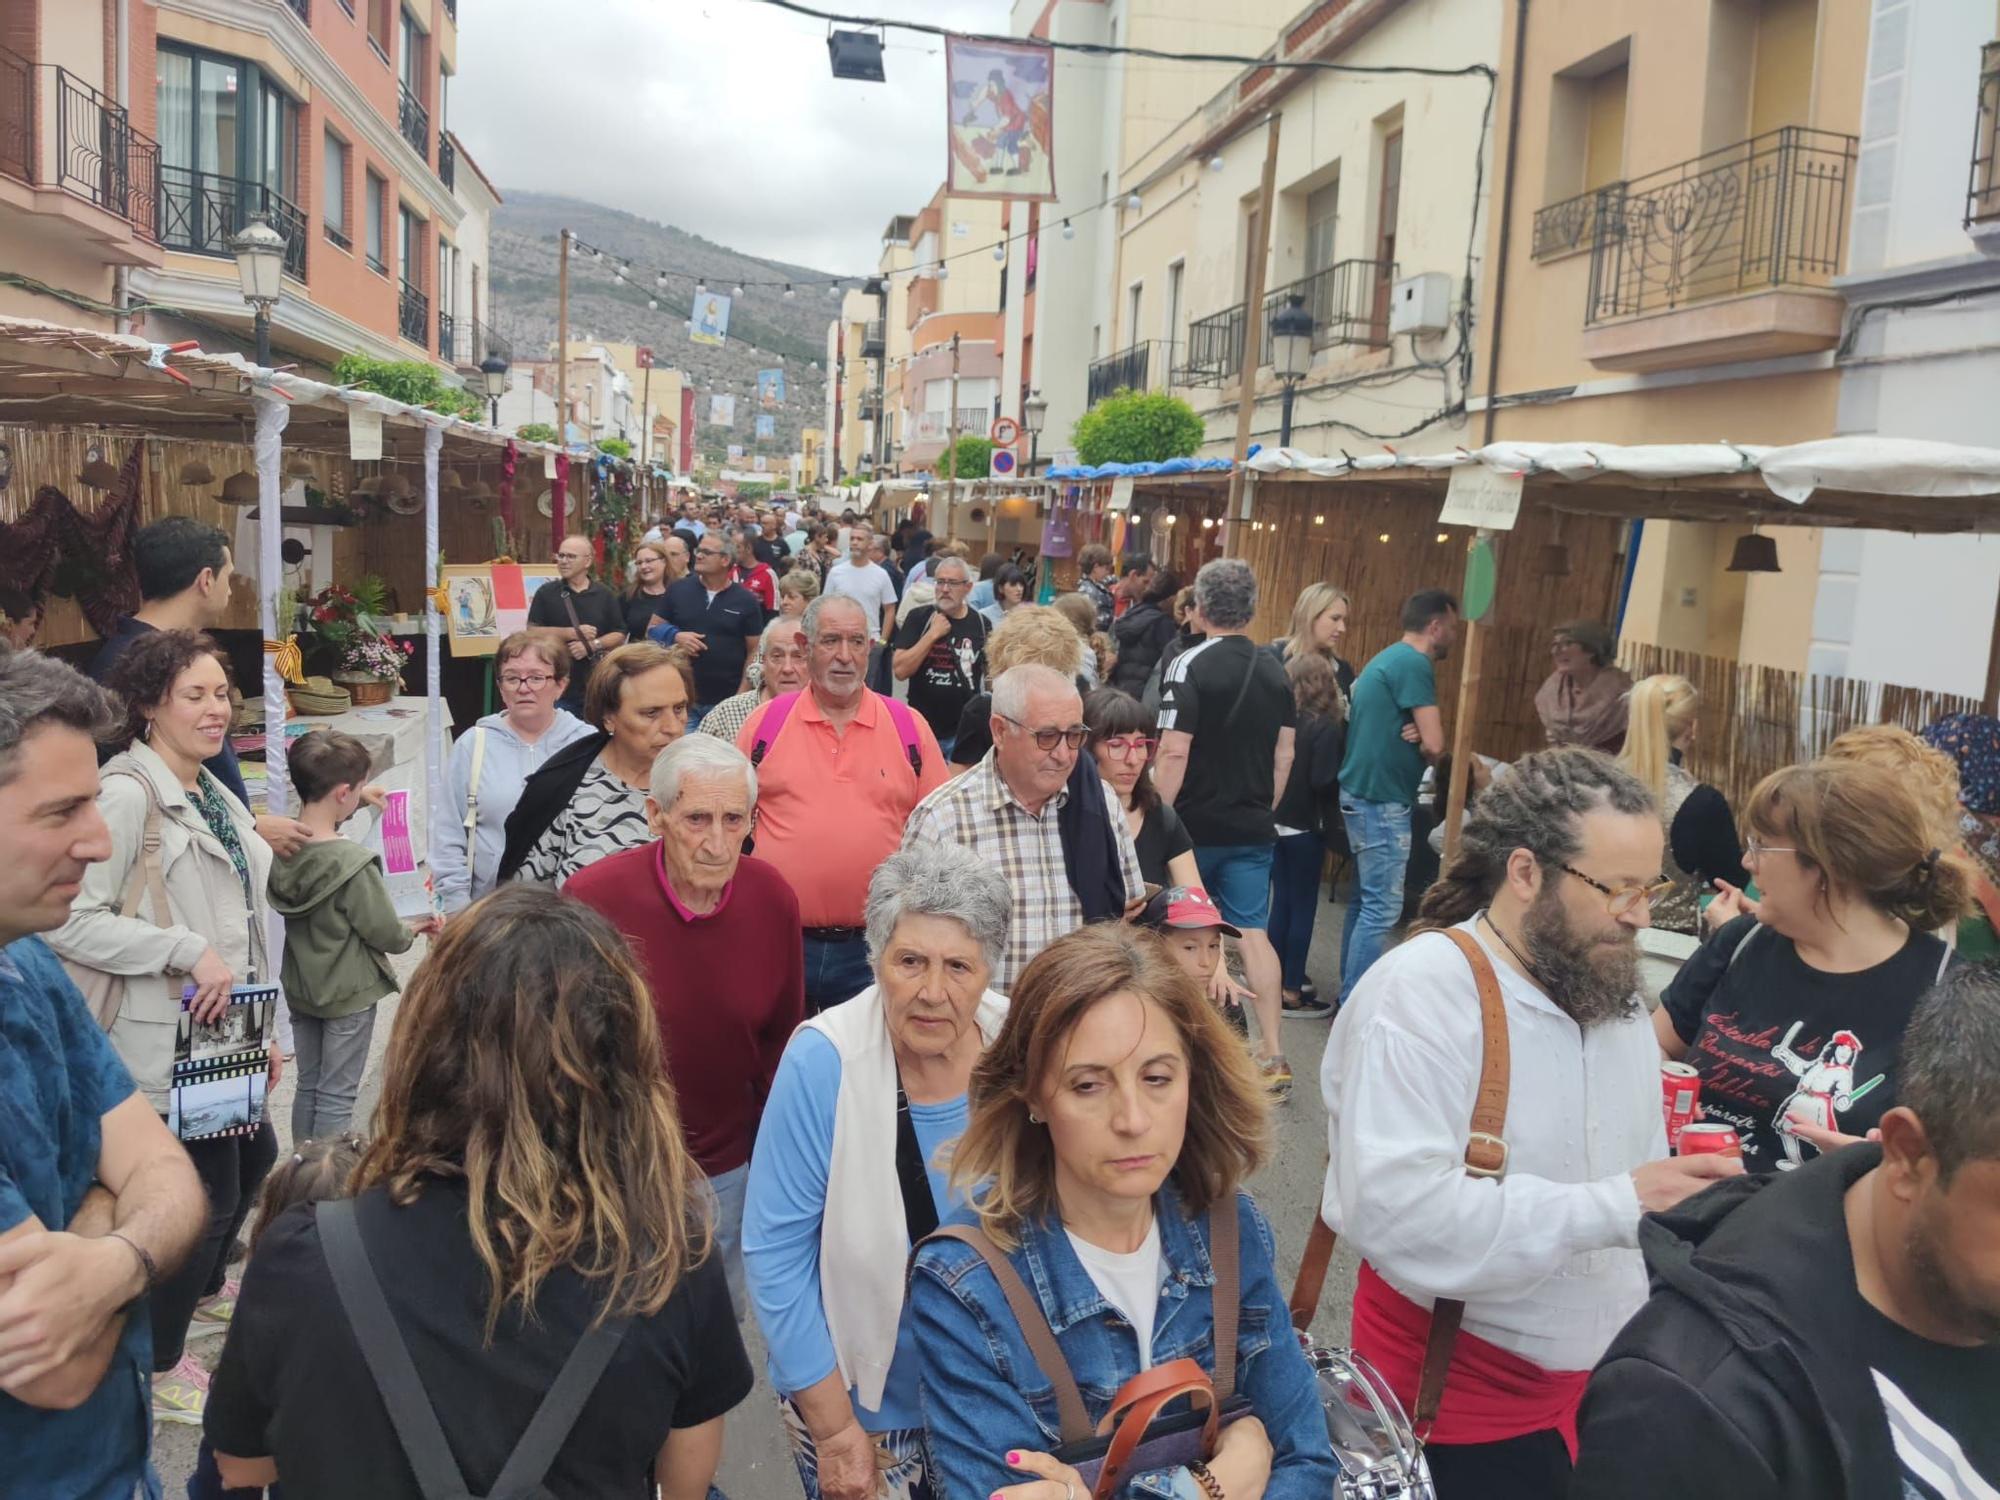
pixel 735 450
pixel 364 433
pixel 1478 496
pixel 710 320
pixel 770 389
pixel 1002 103
pixel 722 411
pixel 767 426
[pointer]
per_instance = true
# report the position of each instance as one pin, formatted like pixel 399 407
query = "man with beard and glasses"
pixel 1557 870
pixel 1834 1330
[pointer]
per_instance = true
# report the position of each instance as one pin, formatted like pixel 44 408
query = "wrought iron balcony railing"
pixel 17 116
pixel 1214 349
pixel 1145 366
pixel 201 211
pixel 1982 194
pixel 98 155
pixel 935 426
pixel 1348 302
pixel 871 339
pixel 414 121
pixel 1571 225
pixel 1767 212
pixel 447 161
pixel 447 334
pixel 302 9
pixel 338 237
pixel 413 315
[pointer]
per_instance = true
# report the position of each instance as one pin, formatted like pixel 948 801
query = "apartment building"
pixel 141 137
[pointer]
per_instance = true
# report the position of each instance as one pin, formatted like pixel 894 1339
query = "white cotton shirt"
pixel 869 584
pixel 1545 1258
pixel 1129 1282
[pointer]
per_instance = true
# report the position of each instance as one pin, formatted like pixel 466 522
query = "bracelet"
pixel 147 1265
pixel 1206 1480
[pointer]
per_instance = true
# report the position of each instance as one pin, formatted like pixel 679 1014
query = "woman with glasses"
pixel 492 762
pixel 1583 701
pixel 656 567
pixel 1123 738
pixel 1792 1013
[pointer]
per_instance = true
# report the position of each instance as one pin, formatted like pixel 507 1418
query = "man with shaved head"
pixel 583 613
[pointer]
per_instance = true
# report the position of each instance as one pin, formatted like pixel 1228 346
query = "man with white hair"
pixel 694 906
pixel 1016 810
pixel 941 651
pixel 781 653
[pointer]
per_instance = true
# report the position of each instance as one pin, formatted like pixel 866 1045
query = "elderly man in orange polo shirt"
pixel 839 768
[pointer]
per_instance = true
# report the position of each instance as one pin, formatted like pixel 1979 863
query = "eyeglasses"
pixel 1620 901
pixel 1048 739
pixel 1124 746
pixel 1756 848
pixel 710 552
pixel 531 682
pixel 950 583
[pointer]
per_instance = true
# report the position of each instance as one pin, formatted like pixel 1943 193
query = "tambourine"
pixel 1373 1442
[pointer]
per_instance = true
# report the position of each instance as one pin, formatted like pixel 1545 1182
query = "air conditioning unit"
pixel 1421 304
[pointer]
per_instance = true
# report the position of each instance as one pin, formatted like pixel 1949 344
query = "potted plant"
pixel 370 667
pixel 344 634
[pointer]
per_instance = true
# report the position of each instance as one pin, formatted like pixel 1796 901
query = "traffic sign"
pixel 1003 461
pixel 1005 431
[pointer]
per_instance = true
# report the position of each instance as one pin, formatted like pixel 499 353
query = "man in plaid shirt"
pixel 1005 810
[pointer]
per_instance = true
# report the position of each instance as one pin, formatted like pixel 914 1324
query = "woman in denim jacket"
pixel 1114 1112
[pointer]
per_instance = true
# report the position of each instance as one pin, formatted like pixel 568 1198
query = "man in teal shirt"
pixel 1393 731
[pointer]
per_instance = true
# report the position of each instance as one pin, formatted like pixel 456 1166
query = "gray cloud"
pixel 720 117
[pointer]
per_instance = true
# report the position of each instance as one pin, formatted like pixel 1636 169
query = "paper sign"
pixel 408 882
pixel 548 466
pixel 1121 494
pixel 1480 497
pixel 364 433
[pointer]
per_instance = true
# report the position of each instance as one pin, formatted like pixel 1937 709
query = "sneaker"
pixel 181 1395
pixel 213 1314
pixel 1307 1007
pixel 1277 1077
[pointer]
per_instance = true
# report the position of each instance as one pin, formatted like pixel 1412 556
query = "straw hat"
pixel 298 466
pixel 99 475
pixel 320 696
pixel 240 488
pixel 194 471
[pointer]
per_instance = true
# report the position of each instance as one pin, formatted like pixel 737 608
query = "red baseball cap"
pixel 1185 906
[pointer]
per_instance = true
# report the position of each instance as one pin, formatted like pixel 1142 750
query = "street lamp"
pixel 493 371
pixel 1291 356
pixel 260 263
pixel 1034 412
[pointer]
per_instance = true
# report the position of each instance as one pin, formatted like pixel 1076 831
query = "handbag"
pixel 105 993
pixel 1133 1437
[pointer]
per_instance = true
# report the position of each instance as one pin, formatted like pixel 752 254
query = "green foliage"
pixel 971 459
pixel 1135 427
pixel 848 482
pixel 410 381
pixel 537 432
pixel 752 494
pixel 614 447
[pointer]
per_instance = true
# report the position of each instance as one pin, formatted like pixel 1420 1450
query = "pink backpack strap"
pixel 906 730
pixel 772 722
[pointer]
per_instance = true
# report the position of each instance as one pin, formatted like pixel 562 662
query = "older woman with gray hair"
pixel 826 1231
pixel 1584 700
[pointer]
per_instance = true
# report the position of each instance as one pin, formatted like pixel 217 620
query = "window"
pixel 333 190
pixel 1388 206
pixel 1172 331
pixel 200 111
pixel 1135 299
pixel 1322 213
pixel 379 20
pixel 409 247
pixel 378 192
pixel 411 61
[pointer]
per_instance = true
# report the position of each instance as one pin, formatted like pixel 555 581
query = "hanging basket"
pixel 367 692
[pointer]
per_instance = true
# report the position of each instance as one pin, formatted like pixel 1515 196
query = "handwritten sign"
pixel 1480 497
pixel 364 433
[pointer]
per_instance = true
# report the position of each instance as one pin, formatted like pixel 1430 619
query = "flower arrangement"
pixel 376 656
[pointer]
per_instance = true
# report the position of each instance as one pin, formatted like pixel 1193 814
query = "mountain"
pixel 766 328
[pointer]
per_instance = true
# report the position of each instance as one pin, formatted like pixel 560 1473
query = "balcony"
pixel 413 316
pixel 414 121
pixel 302 9
pixel 1349 303
pixel 1726 257
pixel 1982 194
pixel 935 426
pixel 1570 226
pixel 1214 349
pixel 447 161
pixel 89 150
pixel 447 334
pixel 872 346
pixel 471 343
pixel 17 116
pixel 201 211
pixel 1144 366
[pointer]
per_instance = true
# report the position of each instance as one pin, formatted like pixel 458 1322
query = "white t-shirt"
pixel 868 584
pixel 1130 1283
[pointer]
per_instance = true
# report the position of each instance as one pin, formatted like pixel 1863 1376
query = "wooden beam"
pixel 1253 332
pixel 1461 729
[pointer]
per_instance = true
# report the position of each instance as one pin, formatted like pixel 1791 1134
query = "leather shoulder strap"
pixel 148 879
pixel 1072 1416
pixel 1225 1254
pixel 1485 1150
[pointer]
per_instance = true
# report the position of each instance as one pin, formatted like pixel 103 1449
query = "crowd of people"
pixel 941 1031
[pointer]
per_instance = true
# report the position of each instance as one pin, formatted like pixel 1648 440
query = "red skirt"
pixel 1490 1394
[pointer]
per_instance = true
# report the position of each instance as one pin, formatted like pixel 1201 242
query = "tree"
pixel 537 432
pixel 971 459
pixel 410 381
pixel 1136 427
pixel 614 447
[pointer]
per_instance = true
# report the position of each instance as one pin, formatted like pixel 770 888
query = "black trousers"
pixel 231 1169
pixel 1534 1466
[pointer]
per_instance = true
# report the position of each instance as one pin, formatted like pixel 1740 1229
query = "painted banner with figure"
pixel 722 411
pixel 770 389
pixel 1002 106
pixel 767 426
pixel 710 323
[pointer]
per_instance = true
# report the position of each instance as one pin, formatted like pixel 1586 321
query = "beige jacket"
pixel 206 909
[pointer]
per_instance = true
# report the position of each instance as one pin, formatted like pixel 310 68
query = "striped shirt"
pixel 980 812
pixel 603 817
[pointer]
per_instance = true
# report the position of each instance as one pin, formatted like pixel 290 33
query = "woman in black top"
pixel 1308 804
pixel 529 1183
pixel 1123 738
pixel 653 564
pixel 1142 634
pixel 1793 1011
pixel 1319 625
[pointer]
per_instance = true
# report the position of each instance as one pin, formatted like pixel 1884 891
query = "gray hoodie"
pixel 504 768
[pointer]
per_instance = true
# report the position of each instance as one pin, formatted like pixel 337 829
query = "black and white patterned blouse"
pixel 604 817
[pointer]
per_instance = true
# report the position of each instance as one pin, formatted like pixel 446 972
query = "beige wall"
pixel 1160 96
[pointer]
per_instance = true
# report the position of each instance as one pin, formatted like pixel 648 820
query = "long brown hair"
pixel 526 1060
pixel 1005 1163
pixel 1866 830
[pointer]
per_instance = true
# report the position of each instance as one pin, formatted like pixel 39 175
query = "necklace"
pixel 1507 943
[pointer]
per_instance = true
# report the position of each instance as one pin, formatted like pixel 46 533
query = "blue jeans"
pixel 696 713
pixel 1379 835
pixel 1294 901
pixel 726 1190
pixel 835 971
pixel 1237 878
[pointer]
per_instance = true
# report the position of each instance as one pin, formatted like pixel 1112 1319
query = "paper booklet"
pixel 222 1069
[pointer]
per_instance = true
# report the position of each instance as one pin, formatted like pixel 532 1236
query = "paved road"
pixel 756 1462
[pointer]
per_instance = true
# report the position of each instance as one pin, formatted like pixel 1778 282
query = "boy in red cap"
pixel 1192 927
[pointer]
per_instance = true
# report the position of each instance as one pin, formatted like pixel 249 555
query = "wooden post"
pixel 1469 671
pixel 951 441
pixel 1993 666
pixel 1253 332
pixel 562 377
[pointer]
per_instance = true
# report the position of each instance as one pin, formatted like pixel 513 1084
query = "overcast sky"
pixel 720 117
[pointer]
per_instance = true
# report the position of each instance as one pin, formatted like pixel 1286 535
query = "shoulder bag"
pixel 1134 1437
pixel 423 1442
pixel 1485 1156
pixel 105 993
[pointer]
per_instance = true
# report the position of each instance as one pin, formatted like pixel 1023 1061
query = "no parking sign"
pixel 1003 460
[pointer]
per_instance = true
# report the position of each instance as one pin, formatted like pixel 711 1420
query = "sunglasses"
pixel 1048 739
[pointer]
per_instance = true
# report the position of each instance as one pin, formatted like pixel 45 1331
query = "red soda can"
pixel 1680 1091
pixel 1709 1138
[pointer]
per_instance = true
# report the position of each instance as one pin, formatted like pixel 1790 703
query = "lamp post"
pixel 260 263
pixel 1034 412
pixel 1291 356
pixel 493 371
